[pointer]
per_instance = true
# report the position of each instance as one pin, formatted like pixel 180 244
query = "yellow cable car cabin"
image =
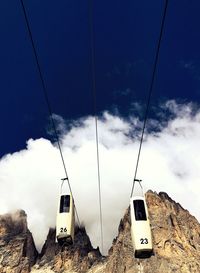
pixel 140 228
pixel 65 222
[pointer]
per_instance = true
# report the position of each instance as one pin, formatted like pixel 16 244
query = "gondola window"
pixel 139 208
pixel 64 203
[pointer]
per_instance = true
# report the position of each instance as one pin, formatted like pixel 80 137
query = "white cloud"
pixel 170 161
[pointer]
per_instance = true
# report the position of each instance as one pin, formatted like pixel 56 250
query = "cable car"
pixel 65 222
pixel 140 228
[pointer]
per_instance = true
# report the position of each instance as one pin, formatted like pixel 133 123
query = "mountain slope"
pixel 17 248
pixel 176 240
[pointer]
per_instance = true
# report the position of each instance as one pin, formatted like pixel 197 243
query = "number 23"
pixel 144 241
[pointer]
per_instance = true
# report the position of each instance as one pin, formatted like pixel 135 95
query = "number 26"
pixel 63 229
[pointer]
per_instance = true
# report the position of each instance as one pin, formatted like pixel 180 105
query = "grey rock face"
pixel 78 257
pixel 17 248
pixel 176 241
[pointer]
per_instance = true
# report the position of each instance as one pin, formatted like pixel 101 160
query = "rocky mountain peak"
pixel 176 240
pixel 13 224
pixel 175 233
pixel 17 248
pixel 78 257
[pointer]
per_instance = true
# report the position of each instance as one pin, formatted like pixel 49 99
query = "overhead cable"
pixel 44 88
pixel 150 91
pixel 93 66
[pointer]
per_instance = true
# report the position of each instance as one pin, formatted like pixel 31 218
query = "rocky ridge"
pixel 176 240
pixel 17 249
pixel 78 257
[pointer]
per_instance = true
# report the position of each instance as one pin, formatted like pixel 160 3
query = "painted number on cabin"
pixel 63 229
pixel 144 241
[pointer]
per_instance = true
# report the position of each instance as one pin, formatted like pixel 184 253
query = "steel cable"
pixel 47 100
pixel 150 91
pixel 93 66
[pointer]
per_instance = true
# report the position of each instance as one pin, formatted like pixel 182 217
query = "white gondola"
pixel 65 222
pixel 140 228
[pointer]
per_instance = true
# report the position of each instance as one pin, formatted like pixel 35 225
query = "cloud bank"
pixel 170 161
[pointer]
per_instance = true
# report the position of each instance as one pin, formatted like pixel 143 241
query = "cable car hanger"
pixel 63 181
pixel 140 185
pixel 139 182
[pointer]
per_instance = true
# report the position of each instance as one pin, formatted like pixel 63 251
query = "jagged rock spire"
pixel 176 240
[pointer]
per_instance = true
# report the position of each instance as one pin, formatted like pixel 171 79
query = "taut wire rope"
pixel 93 66
pixel 47 100
pixel 150 92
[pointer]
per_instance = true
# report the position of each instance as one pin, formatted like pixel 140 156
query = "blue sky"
pixel 126 33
